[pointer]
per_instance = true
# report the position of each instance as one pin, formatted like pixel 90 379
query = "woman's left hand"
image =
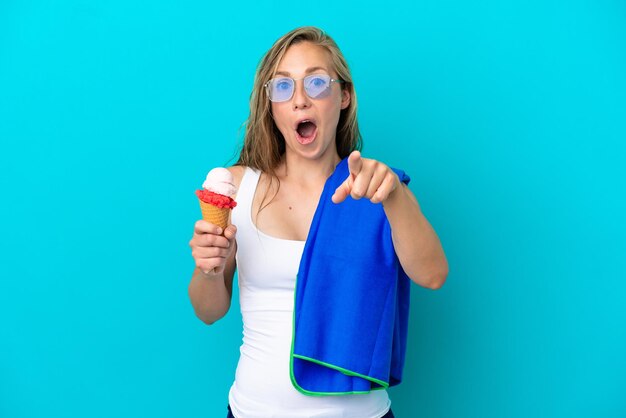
pixel 368 178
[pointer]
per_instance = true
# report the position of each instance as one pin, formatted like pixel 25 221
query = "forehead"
pixel 302 57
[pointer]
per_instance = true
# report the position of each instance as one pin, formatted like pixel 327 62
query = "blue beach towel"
pixel 351 300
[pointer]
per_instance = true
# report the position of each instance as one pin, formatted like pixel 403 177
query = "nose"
pixel 300 99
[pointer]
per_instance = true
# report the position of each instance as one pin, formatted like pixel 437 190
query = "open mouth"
pixel 306 131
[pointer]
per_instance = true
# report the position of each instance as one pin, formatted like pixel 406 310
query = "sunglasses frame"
pixel 267 85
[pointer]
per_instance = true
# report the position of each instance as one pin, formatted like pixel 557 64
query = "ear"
pixel 345 98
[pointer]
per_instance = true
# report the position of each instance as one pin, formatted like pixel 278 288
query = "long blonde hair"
pixel 264 144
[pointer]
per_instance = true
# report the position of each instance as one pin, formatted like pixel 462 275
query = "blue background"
pixel 509 116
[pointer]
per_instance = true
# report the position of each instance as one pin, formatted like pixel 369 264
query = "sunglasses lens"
pixel 317 86
pixel 280 89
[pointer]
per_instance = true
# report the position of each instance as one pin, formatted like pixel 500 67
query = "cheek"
pixel 278 114
pixel 337 102
pixel 333 110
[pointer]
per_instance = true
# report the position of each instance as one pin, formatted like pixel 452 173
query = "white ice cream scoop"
pixel 220 180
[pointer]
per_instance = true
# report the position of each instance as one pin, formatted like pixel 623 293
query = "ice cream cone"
pixel 216 199
pixel 215 215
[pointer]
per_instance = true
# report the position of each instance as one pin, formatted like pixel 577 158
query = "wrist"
pixel 209 274
pixel 395 193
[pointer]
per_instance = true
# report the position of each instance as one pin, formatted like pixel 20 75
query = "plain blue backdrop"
pixel 510 118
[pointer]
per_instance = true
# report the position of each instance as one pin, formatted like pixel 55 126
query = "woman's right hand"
pixel 209 248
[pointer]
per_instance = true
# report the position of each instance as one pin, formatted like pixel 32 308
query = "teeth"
pixel 304 121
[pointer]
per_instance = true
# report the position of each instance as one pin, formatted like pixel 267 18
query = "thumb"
pixel 230 232
pixel 343 190
pixel 355 163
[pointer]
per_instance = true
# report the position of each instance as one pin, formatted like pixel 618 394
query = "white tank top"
pixel 267 269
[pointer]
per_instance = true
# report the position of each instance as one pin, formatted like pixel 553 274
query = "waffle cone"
pixel 215 215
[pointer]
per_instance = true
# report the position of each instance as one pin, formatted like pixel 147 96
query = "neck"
pixel 306 171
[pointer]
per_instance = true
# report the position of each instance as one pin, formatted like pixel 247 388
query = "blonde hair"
pixel 264 144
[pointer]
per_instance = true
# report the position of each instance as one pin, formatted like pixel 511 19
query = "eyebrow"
pixel 308 71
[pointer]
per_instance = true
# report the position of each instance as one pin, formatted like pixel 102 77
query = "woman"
pixel 302 124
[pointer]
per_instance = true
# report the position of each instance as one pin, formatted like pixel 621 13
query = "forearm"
pixel 415 241
pixel 211 294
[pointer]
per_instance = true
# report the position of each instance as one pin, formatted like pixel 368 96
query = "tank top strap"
pixel 241 215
